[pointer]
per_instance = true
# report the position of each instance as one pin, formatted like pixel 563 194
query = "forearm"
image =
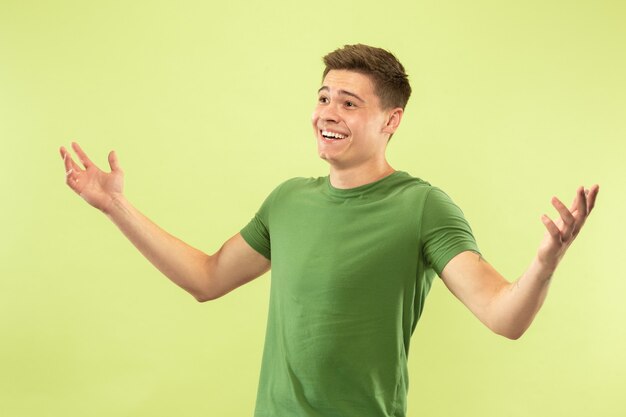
pixel 203 276
pixel 516 304
pixel 184 265
pixel 509 308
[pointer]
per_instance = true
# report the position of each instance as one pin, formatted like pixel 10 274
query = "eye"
pixel 350 104
pixel 322 99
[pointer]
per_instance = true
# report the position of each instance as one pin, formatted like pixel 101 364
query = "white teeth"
pixel 328 134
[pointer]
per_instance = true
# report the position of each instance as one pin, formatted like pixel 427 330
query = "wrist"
pixel 544 269
pixel 117 203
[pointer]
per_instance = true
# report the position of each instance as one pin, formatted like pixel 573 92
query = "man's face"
pixel 349 124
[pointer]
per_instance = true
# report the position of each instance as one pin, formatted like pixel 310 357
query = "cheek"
pixel 314 117
pixel 314 124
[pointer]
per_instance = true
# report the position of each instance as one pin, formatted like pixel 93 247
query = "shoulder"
pixel 403 179
pixel 295 186
pixel 417 185
pixel 431 200
pixel 409 186
pixel 298 183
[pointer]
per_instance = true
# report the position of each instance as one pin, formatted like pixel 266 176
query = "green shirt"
pixel 351 269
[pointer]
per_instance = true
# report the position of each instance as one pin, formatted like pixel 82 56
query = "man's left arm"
pixel 508 308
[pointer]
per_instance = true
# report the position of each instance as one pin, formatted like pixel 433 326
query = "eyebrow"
pixel 341 92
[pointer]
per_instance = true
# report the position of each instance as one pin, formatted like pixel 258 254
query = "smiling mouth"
pixel 332 135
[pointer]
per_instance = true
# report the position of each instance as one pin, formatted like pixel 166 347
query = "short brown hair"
pixel 391 84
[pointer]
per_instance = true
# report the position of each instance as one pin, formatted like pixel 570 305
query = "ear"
pixel 393 120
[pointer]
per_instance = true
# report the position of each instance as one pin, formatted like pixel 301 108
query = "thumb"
pixel 113 162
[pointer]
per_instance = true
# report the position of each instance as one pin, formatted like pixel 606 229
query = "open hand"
pixel 560 234
pixel 97 187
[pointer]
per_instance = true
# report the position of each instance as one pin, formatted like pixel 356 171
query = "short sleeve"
pixel 257 232
pixel 445 232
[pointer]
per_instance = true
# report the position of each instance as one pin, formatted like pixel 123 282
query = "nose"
pixel 328 113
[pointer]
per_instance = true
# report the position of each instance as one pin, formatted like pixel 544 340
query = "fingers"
pixel 71 170
pixel 71 174
pixel 585 201
pixel 573 219
pixel 65 157
pixel 568 219
pixel 70 165
pixel 75 176
pixel 579 205
pixel 580 209
pixel 84 159
pixel 591 197
pixel 552 228
pixel 114 162
pixel 67 161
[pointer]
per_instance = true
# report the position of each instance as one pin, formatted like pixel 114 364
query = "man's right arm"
pixel 206 277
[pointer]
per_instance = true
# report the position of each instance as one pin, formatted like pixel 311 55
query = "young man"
pixel 352 254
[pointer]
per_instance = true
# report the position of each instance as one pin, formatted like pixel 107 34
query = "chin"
pixel 324 156
pixel 337 163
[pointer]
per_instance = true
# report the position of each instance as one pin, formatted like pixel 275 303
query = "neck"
pixel 351 177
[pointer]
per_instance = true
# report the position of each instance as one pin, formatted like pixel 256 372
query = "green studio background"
pixel 208 107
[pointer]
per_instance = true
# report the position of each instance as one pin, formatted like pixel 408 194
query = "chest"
pixel 346 249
